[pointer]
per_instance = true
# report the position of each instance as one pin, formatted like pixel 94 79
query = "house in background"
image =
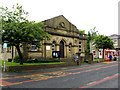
pixel 99 53
pixel 116 40
pixel 96 53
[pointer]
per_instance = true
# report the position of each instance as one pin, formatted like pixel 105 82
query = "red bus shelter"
pixel 114 53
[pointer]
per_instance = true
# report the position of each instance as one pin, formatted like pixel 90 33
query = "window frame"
pixel 80 46
pixel 70 47
pixel 36 48
pixel 53 46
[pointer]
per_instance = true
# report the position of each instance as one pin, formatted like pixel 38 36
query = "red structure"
pixel 114 53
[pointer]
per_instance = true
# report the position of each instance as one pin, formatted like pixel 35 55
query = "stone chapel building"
pixel 65 37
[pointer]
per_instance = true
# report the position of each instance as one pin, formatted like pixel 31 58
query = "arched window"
pixel 70 46
pixel 53 46
pixel 80 46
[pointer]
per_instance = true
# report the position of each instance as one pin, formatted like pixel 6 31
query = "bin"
pixel 115 59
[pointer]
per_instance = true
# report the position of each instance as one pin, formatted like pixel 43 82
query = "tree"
pixel 103 42
pixel 82 31
pixel 91 36
pixel 18 30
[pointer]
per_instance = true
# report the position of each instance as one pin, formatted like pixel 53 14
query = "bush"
pixel 36 60
pixel 49 60
pixel 16 59
pixel 28 61
pixel 31 61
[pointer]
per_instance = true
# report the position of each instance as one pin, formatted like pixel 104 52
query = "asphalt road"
pixel 101 75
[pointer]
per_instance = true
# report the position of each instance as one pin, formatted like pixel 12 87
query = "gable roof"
pixel 60 22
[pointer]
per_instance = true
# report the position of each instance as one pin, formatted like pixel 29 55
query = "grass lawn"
pixel 24 64
pixel 99 59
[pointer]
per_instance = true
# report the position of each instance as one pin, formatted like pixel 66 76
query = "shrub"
pixel 36 60
pixel 31 61
pixel 16 59
pixel 49 60
pixel 28 61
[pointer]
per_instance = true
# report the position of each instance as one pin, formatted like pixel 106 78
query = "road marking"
pixel 110 62
pixel 4 83
pixel 100 81
pixel 54 72
pixel 91 82
pixel 47 77
pixel 93 69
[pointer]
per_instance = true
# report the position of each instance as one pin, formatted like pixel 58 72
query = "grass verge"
pixel 99 59
pixel 96 59
pixel 25 64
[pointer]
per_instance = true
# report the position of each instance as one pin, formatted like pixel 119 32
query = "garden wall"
pixel 36 67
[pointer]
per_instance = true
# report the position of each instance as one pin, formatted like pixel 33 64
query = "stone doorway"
pixel 61 49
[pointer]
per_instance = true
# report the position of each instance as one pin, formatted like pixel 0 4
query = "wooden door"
pixel 61 49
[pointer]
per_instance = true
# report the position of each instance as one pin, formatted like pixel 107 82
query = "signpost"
pixel 5 48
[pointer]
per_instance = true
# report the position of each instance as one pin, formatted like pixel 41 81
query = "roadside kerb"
pixel 37 67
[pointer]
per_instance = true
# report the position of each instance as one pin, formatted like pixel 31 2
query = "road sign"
pixel 5 45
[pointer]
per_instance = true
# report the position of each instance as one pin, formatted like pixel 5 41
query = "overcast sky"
pixel 84 14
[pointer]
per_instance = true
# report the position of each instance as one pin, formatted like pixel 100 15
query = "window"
pixel 62 25
pixel 34 48
pixel 70 45
pixel 94 53
pixel 115 42
pixel 53 46
pixel 80 46
pixel 113 54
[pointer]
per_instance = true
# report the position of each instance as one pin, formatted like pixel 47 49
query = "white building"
pixel 96 53
pixel 116 40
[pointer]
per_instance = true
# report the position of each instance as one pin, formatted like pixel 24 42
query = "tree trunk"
pixel 98 55
pixel 20 55
pixel 12 52
pixel 103 53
